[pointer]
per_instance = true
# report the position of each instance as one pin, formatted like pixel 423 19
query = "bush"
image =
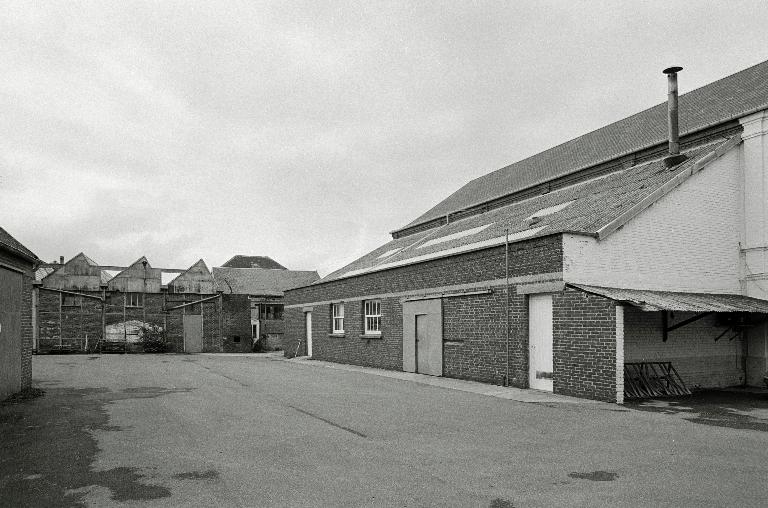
pixel 152 338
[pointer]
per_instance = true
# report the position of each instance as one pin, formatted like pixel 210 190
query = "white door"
pixel 309 332
pixel 540 342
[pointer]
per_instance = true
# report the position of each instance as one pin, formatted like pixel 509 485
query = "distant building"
pixel 253 304
pixel 17 265
pixel 84 306
pixel 241 261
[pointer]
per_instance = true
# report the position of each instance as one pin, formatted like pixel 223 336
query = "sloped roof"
pixel 260 281
pixel 43 272
pixel 240 261
pixel 10 243
pixel 726 99
pixel 108 275
pixel 584 208
pixel 669 300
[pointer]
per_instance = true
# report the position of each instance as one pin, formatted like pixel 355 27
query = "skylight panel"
pixel 548 211
pixel 389 253
pixel 455 236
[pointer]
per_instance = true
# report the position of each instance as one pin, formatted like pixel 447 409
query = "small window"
pixel 337 310
pixel 134 299
pixel 271 311
pixel 236 338
pixel 71 300
pixel 372 317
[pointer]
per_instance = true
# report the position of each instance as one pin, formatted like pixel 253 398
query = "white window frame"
pixel 372 317
pixel 337 317
pixel 129 300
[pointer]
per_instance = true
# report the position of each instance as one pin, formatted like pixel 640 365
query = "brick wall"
pixel 474 325
pixel 236 322
pixel 477 349
pixel 70 325
pixel 700 361
pixel 584 345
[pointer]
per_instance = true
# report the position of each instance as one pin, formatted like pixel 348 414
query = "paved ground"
pixel 172 430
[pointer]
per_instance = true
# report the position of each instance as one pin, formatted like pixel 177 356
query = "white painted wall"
pixel 700 361
pixel 687 241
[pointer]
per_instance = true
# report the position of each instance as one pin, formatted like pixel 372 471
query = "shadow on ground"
pixel 735 409
pixel 48 447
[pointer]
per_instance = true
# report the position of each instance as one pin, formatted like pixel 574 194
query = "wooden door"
pixel 11 292
pixel 540 342
pixel 423 337
pixel 193 333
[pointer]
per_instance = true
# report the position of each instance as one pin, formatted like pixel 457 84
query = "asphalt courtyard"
pixel 196 430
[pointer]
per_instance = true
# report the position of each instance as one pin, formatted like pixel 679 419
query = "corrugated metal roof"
pixel 591 206
pixel 108 275
pixel 667 300
pixel 726 99
pixel 43 272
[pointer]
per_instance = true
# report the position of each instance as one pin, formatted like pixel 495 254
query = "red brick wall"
pixel 584 345
pixel 474 326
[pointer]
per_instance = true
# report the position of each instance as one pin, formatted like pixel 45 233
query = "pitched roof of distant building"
pixel 260 281
pixel 240 261
pixel 721 101
pixel 10 243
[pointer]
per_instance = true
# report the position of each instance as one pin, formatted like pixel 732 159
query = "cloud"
pixel 307 131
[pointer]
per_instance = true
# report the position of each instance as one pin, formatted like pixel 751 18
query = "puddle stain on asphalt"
pixel 714 408
pixel 500 503
pixel 31 474
pixel 595 476
pixel 210 474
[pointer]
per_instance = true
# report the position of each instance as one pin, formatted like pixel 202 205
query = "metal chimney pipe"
pixel 61 260
pixel 674 158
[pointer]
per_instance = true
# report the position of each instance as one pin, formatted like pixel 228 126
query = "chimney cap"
pixel 672 70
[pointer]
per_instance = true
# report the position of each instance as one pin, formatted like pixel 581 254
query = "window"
pixel 134 299
pixel 270 311
pixel 372 317
pixel 236 338
pixel 337 310
pixel 71 300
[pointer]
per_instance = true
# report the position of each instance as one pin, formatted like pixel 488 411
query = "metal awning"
pixel 670 300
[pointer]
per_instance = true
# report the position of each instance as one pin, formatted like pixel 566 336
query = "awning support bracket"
pixel 665 323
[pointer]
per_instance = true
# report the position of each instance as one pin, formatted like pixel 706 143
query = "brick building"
pixel 79 303
pixel 252 290
pixel 83 306
pixel 567 269
pixel 17 265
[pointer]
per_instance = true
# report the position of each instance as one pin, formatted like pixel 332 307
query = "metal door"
pixel 11 290
pixel 423 337
pixel 193 333
pixel 308 320
pixel 540 342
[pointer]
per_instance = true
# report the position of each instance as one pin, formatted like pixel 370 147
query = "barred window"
pixel 134 299
pixel 338 317
pixel 372 317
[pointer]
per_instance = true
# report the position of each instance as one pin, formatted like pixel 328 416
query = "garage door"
pixel 10 332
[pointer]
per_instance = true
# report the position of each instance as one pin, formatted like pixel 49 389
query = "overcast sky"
pixel 308 131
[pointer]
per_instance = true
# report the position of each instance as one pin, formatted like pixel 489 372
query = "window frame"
pixel 335 316
pixel 74 300
pixel 369 319
pixel 129 300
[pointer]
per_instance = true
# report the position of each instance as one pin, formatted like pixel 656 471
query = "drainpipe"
pixel 506 294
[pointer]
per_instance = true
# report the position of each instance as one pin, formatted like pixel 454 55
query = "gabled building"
pixel 81 306
pixel 639 246
pixel 252 303
pixel 17 268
